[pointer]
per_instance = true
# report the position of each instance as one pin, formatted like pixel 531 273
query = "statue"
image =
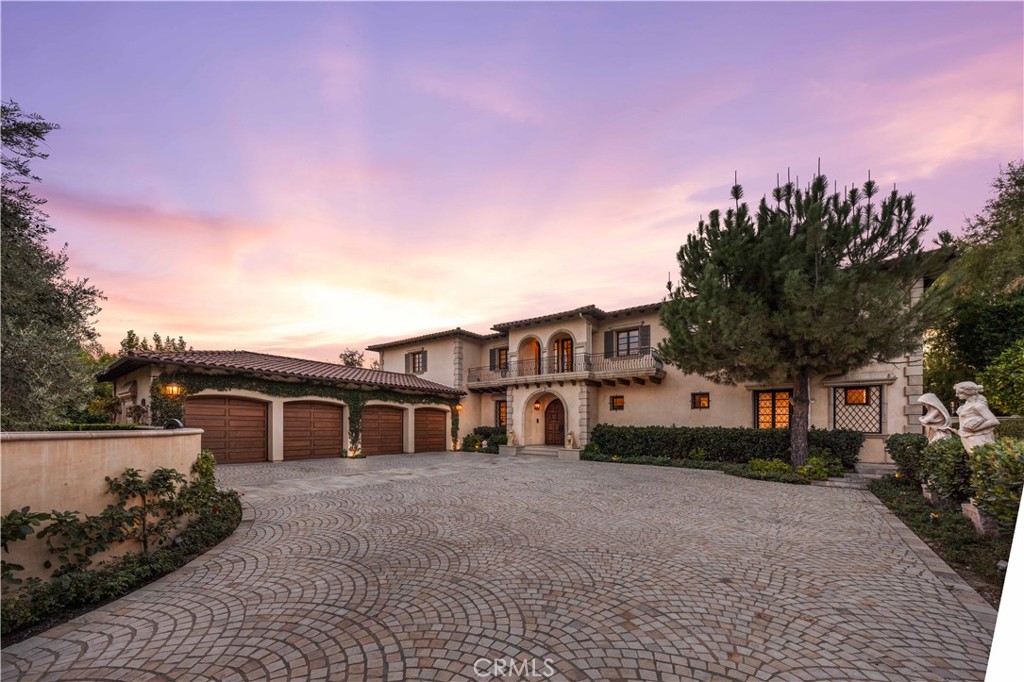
pixel 937 423
pixel 977 423
pixel 570 440
pixel 512 438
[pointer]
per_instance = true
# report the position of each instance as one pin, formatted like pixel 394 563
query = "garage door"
pixel 382 430
pixel 430 430
pixel 312 430
pixel 235 429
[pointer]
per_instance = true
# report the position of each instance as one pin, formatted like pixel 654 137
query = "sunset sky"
pixel 296 178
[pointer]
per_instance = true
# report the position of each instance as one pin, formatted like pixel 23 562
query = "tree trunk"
pixel 799 419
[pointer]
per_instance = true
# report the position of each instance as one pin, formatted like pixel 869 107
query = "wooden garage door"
pixel 430 430
pixel 234 428
pixel 382 430
pixel 312 430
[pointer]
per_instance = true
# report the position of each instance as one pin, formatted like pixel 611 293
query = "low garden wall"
pixel 66 471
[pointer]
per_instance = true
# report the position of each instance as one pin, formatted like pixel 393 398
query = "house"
pixel 550 379
pixel 255 407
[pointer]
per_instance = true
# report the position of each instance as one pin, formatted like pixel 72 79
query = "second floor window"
pixel 416 363
pixel 627 342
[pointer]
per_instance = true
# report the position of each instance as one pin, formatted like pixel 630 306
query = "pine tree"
pixel 815 283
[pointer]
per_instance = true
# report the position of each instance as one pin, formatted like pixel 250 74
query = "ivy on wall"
pixel 164 407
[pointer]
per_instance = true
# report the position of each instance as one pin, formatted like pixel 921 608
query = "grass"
pixel 950 534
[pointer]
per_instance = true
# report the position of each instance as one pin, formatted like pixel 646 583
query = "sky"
pixel 298 178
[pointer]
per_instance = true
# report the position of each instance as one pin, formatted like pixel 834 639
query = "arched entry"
pixel 554 423
pixel 529 357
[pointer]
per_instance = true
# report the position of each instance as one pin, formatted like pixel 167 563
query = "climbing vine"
pixel 164 407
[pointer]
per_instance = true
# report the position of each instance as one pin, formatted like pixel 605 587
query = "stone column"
pixel 913 371
pixel 583 436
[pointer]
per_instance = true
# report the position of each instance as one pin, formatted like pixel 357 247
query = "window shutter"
pixel 609 342
pixel 494 359
pixel 424 360
pixel 645 339
pixel 408 363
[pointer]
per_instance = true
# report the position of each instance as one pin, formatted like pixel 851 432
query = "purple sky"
pixel 296 178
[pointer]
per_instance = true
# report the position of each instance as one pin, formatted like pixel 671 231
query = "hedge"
pixel 720 444
pixel 69 427
pixel 1011 428
pixel 946 470
pixel 907 450
pixel 997 478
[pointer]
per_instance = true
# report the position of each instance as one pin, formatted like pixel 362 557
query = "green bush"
pixel 590 450
pixel 997 476
pixel 1010 428
pixel 471 443
pixel 485 432
pixel 820 467
pixel 719 444
pixel 768 466
pixel 907 450
pixel 27 426
pixel 744 471
pixel 493 441
pixel 946 470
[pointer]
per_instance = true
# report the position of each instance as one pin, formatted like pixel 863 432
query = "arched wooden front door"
pixel 554 424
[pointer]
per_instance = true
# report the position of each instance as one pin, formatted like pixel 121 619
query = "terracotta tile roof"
pixel 588 310
pixel 458 331
pixel 261 364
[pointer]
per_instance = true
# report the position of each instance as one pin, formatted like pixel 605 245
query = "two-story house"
pixel 550 379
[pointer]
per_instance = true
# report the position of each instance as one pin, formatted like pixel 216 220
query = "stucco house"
pixel 553 375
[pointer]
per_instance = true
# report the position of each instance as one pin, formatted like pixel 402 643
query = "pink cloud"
pixel 504 95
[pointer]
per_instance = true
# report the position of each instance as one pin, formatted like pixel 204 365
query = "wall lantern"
pixel 458 408
pixel 172 390
pixel 536 405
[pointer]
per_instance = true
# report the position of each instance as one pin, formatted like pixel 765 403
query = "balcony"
pixel 592 369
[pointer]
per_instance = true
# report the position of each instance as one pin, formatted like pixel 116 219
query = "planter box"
pixel 569 454
pixel 984 524
pixel 508 450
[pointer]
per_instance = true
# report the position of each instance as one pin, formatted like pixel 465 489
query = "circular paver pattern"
pixel 474 567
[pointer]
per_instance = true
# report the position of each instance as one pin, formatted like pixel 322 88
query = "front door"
pixel 554 424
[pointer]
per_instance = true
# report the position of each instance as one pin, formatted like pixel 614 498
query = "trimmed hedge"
pixel 486 432
pixel 946 469
pixel 907 450
pixel 1011 428
pixel 592 454
pixel 720 444
pixel 70 427
pixel 997 477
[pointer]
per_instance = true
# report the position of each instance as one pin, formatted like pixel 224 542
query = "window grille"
pixel 857 408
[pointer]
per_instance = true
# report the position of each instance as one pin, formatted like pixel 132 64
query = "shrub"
pixel 997 476
pixel 907 450
pixel 744 471
pixel 820 467
pixel 719 444
pixel 485 432
pixel 946 470
pixel 34 426
pixel 493 441
pixel 471 443
pixel 1010 428
pixel 768 466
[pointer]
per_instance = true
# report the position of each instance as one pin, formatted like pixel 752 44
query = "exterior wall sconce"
pixel 173 390
pixel 458 408
pixel 536 405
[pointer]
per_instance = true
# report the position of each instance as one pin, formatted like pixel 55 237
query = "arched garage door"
pixel 312 429
pixel 235 429
pixel 430 430
pixel 382 430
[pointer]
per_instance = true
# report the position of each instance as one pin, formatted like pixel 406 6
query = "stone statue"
pixel 512 438
pixel 937 423
pixel 570 440
pixel 977 423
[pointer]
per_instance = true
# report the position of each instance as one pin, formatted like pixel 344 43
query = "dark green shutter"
pixel 424 360
pixel 494 359
pixel 408 363
pixel 645 339
pixel 609 340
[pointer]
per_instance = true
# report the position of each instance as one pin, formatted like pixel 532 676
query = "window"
pixel 700 401
pixel 627 342
pixel 416 363
pixel 857 408
pixel 617 402
pixel 499 359
pixel 501 413
pixel 856 396
pixel 772 409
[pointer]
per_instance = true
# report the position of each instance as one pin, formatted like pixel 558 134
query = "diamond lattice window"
pixel 857 408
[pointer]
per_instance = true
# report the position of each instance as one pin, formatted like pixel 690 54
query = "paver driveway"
pixel 427 567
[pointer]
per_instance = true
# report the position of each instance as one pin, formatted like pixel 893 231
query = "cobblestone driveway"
pixel 418 567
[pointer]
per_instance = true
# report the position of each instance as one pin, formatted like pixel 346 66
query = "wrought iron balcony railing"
pixel 553 364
